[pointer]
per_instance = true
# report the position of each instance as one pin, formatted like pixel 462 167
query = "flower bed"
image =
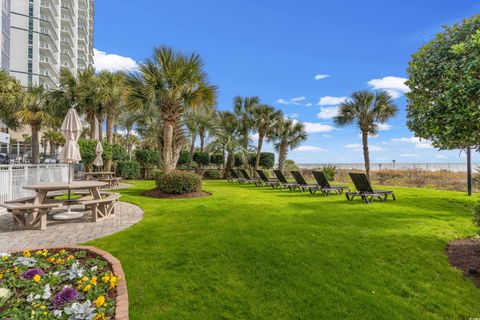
pixel 71 283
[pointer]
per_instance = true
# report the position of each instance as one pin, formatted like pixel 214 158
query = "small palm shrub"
pixel 179 182
pixel 476 215
pixel 212 174
pixel 128 169
pixel 330 172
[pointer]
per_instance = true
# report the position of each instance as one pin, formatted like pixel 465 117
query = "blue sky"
pixel 275 49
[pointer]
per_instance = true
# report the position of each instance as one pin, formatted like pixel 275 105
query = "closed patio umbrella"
pixel 98 160
pixel 71 129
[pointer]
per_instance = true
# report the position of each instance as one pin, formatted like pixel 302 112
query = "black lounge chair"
pixel 324 185
pixel 267 181
pixel 302 184
pixel 249 179
pixel 283 182
pixel 365 191
pixel 234 177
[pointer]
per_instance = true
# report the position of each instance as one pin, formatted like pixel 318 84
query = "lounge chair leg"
pixel 393 196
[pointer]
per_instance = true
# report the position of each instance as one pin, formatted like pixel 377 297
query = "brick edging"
pixel 121 308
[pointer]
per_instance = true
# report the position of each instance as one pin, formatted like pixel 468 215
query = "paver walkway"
pixel 60 233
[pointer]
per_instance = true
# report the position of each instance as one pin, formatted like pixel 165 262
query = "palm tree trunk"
pixel 192 149
pixel 127 138
pixel 110 125
pixel 366 155
pixel 35 146
pixel 52 148
pixel 100 128
pixel 202 139
pixel 259 150
pixel 167 151
pixel 230 163
pixel 245 149
pixel 282 157
pixel 93 124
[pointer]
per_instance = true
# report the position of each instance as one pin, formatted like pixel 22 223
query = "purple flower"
pixel 29 274
pixel 65 296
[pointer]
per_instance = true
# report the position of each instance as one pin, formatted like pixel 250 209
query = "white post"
pixel 10 183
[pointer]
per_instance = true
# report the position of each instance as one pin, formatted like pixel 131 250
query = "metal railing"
pixel 454 167
pixel 14 177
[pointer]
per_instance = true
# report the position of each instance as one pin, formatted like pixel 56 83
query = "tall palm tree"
pixel 243 108
pixel 111 97
pixel 36 113
pixel 366 109
pixel 288 135
pixel 126 120
pixel 171 82
pixel 11 98
pixel 265 118
pixel 227 138
pixel 199 121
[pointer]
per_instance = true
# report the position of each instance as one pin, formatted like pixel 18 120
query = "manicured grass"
pixel 258 253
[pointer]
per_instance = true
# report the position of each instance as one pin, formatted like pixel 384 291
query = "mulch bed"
pixel 465 255
pixel 155 193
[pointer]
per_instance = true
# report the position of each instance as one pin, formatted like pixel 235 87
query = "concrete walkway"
pixel 60 233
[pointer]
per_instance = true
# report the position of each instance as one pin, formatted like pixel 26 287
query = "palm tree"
pixel 227 138
pixel 36 113
pixel 127 120
pixel 11 98
pixel 111 94
pixel 288 135
pixel 265 118
pixel 366 109
pixel 171 82
pixel 243 108
pixel 198 122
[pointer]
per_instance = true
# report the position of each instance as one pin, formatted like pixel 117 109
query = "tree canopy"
pixel 444 101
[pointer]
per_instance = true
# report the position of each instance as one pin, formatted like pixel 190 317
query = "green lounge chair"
pixel 302 184
pixel 249 179
pixel 365 191
pixel 324 185
pixel 283 182
pixel 267 181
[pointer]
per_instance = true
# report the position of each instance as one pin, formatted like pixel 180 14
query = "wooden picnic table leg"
pixel 39 199
pixel 95 191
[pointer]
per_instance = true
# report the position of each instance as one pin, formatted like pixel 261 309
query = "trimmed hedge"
pixel 128 169
pixel 87 151
pixel 212 174
pixel 179 182
pixel 183 158
pixel 119 153
pixel 217 158
pixel 267 160
pixel 201 158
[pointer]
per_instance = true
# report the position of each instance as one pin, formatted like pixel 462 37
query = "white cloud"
pixel 409 155
pixel 419 144
pixel 321 76
pixel 293 115
pixel 359 147
pixel 112 62
pixel 282 101
pixel 394 85
pixel 327 112
pixel 254 136
pixel 326 135
pixel 298 99
pixel 309 149
pixel 311 127
pixel 384 126
pixel 308 105
pixel 331 101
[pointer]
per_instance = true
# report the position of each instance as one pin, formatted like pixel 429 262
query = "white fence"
pixel 14 177
pixel 455 167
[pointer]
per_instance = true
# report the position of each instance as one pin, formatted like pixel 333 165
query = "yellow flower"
pixel 43 307
pixel 4 258
pixel 84 278
pixel 69 258
pixel 45 313
pixel 106 278
pixel 99 302
pixel 62 251
pixel 37 278
pixel 87 288
pixel 59 261
pixel 94 281
pixel 100 316
pixel 51 259
pixel 38 253
pixel 26 253
pixel 1 275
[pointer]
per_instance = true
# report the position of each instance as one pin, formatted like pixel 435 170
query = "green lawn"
pixel 258 253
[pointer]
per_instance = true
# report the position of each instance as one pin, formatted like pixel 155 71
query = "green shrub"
pixel 179 182
pixel 119 153
pixel 267 160
pixel 183 158
pixel 156 174
pixel 476 215
pixel 107 153
pixel 212 174
pixel 147 159
pixel 238 160
pixel 201 158
pixel 330 172
pixel 87 151
pixel 217 158
pixel 128 169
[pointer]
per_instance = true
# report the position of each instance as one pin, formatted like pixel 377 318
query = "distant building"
pixel 47 35
pixel 5 35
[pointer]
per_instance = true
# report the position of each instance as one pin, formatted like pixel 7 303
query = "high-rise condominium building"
pixel 47 35
pixel 5 35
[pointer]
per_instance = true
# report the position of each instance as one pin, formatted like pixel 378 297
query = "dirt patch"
pixel 155 193
pixel 465 255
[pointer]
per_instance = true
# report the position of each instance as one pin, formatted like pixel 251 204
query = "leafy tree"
pixel 198 121
pixel 201 158
pixel 119 153
pixel 217 158
pixel 243 108
pixel 171 83
pixel 265 118
pixel 266 160
pixel 184 157
pixel 288 135
pixel 366 109
pixel 11 97
pixel 443 104
pixel 87 151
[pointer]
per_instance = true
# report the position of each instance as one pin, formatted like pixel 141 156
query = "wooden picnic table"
pixel 107 174
pixel 104 176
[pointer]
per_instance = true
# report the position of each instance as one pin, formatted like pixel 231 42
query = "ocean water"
pixel 455 167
